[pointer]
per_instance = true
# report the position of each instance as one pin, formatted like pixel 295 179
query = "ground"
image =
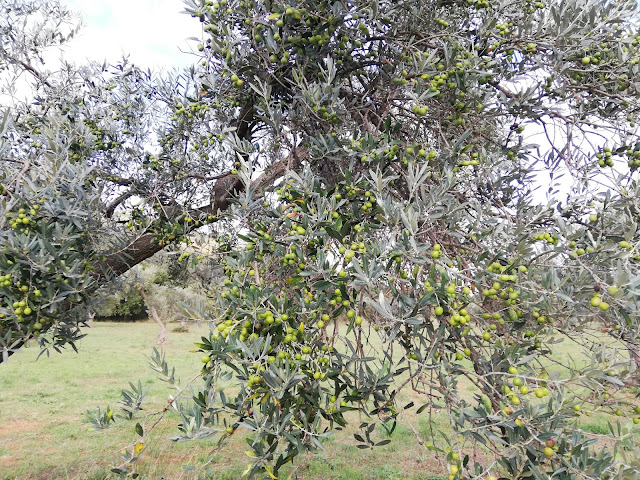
pixel 45 433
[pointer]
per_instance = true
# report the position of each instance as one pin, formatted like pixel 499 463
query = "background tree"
pixel 374 160
pixel 164 288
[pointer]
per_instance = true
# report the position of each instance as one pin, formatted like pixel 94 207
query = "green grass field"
pixel 45 434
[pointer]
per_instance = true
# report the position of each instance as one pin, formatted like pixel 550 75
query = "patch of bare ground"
pixel 17 427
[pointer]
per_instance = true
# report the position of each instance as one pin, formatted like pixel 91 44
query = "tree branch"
pixel 225 189
pixel 115 178
pixel 113 205
pixel 29 68
pixel 497 86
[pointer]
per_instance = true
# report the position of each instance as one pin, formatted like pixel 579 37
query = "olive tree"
pixel 455 181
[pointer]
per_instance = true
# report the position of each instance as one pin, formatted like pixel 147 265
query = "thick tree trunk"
pixel 161 339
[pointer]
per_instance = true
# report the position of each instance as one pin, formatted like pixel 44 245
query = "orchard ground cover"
pixel 45 432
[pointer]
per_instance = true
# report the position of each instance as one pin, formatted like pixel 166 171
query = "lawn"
pixel 45 433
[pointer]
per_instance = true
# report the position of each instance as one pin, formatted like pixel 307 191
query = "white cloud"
pixel 152 32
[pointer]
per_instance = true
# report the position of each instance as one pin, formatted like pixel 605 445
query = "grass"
pixel 45 434
pixel 43 426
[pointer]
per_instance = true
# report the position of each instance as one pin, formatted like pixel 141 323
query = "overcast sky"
pixel 152 31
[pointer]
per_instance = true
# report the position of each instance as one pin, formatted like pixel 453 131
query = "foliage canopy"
pixel 365 163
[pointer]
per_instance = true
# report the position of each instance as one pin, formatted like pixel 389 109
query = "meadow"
pixel 45 432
